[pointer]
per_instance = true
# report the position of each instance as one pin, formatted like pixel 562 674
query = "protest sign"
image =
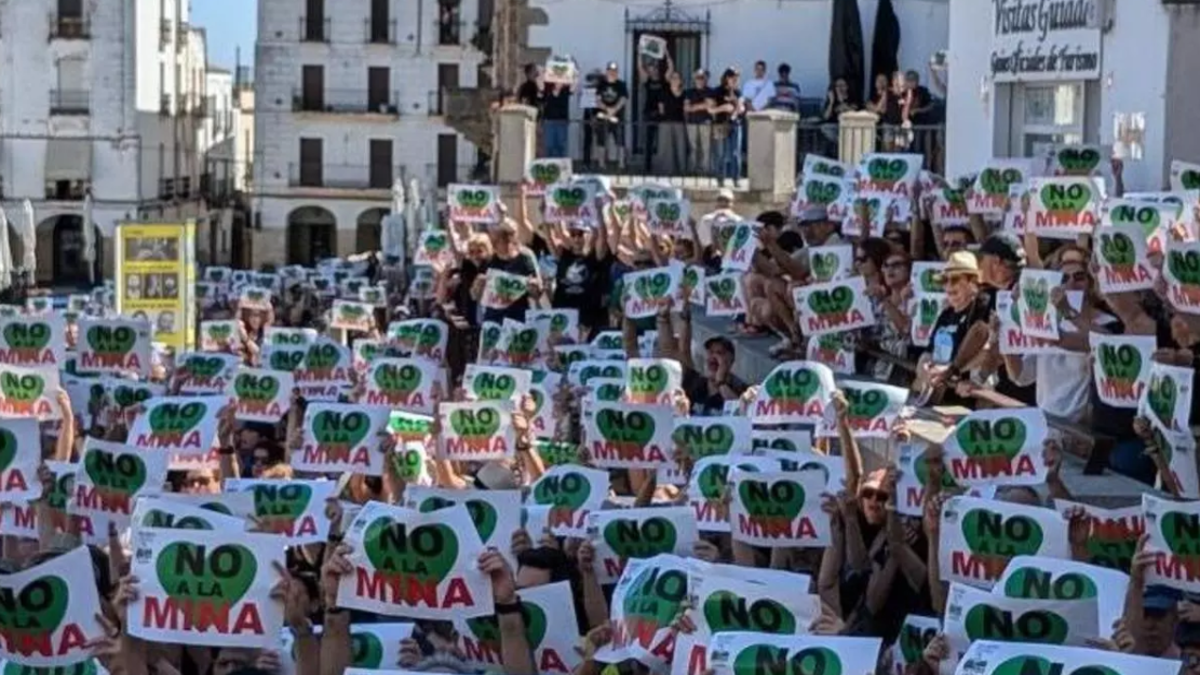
pixel 652 381
pixel 570 493
pixel 645 602
pixel 1122 367
pixel 915 635
pixel 550 628
pixel 262 395
pixel 1063 208
pixel 29 393
pixel 1001 658
pixel 495 513
pixel 186 425
pixel 220 336
pixel 341 437
pixel 1031 577
pixel 747 653
pixel 1112 533
pixel 571 203
pixel 20 457
pixel 476 431
pixel 623 435
pixel 355 316
pixel 110 479
pixel 998 447
pixel 831 263
pixel 403 383
pixel 724 294
pixel 49 619
pixel 473 203
pixel 33 340
pixel 979 537
pixel 708 487
pixel 833 307
pixel 620 535
pixel 645 291
pixel 1167 398
pixel 778 509
pixel 1038 315
pixel 496 383
pixel 543 172
pixel 795 392
pixel 501 289
pixel 294 508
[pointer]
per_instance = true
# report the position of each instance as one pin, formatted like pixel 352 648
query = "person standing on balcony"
pixel 697 109
pixel 787 93
pixel 671 158
pixel 530 94
pixel 655 88
pixel 916 106
pixel 759 91
pixel 727 125
pixel 612 97
pixel 556 116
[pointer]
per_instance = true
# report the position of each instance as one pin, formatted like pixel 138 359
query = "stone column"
pixel 856 135
pixel 516 143
pixel 771 151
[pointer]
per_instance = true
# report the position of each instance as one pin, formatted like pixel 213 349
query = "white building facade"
pixel 95 98
pixel 346 102
pixel 1023 75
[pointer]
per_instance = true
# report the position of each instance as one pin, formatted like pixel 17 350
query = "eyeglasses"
pixel 875 495
pixel 894 265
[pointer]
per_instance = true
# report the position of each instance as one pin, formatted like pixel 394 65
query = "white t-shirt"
pixel 705 226
pixel 1063 382
pixel 759 93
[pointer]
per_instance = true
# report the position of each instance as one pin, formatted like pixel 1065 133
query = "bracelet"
pixel 508 607
pixel 226 450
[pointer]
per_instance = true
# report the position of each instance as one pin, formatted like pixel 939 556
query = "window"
pixel 1045 115
pixel 380 23
pixel 313 92
pixel 447 75
pixel 447 159
pixel 313 23
pixel 311 162
pixel 378 82
pixel 381 170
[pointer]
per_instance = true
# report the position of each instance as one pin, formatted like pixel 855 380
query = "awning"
pixel 68 159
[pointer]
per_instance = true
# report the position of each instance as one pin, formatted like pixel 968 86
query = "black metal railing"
pixel 314 29
pixel 347 101
pixel 66 27
pixel 379 31
pixel 164 105
pixel 342 176
pixel 435 103
pixel 67 190
pixel 70 102
pixel 928 140
pixel 450 32
pixel 166 188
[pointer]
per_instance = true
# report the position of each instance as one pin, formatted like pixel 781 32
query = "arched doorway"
pixel 311 235
pixel 60 252
pixel 369 234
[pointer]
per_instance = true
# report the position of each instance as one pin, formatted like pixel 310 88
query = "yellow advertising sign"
pixel 156 277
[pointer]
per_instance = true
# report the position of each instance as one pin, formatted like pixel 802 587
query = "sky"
pixel 229 24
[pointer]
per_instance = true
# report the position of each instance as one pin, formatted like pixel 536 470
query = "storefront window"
pixel 1051 114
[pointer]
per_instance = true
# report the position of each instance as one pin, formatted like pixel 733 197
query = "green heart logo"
pixel 955 198
pixel 483 514
pixel 781 499
pixel 37 611
pixel 285 502
pixel 1036 665
pixel 60 492
pixel 252 387
pixel 822 192
pixel 341 429
pixel 426 553
pixel 834 302
pixel 557 453
pixel 1146 217
pixel 1161 395
pixel 570 197
pixel 402 379
pixel 287 361
pixel 866 404
pixel 610 392
pixel 1065 201
pixel 667 211
pixel 477 423
pixel 1178 529
pixel 473 199
pixel 1035 584
pixel 204 367
pixel 24 388
pixel 884 170
pixel 545 173
pixel 123 473
pixel 559 323
pixel 631 539
pixel 89 667
pixel 798 385
pixel 352 312
pixel 566 491
pixel 741 237
pixel 322 357
pixel 724 289
pixel 988 533
pixel 712 481
pixel 220 332
pixel 522 342
pixel 111 341
pixel 1185 266
pixel 704 441
pixel 763 658
pixel 1078 161
pixel 654 595
pixel 435 243
pixel 996 182
pixel 929 309
pixel 366 650
pixel 1037 296
pixel 1117 249
pixel 486 629
pixel 824 265
pixel 9 445
pixel 913 642
pixel 204 578
pixel 727 611
pixel 985 622
pixel 1003 437
pixel 27 336
pixel 628 429
pixel 652 286
pixel 173 418
pixel 493 386
pixel 648 380
pixel 1190 179
pixel 1122 363
pixel 430 336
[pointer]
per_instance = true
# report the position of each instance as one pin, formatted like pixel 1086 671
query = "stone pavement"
pixel 753 364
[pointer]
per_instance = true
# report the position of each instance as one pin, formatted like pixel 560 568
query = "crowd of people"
pixel 517 459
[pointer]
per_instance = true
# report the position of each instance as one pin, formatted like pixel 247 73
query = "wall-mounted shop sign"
pixel 1046 40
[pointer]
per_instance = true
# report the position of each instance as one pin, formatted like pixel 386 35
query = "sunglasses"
pixel 875 495
pixel 894 265
pixel 1078 277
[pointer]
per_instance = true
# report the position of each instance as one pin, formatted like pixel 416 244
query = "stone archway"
pixel 60 252
pixel 311 235
pixel 368 235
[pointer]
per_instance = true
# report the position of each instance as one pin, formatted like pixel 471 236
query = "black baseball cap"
pixel 1006 246
pixel 722 341
pixel 612 65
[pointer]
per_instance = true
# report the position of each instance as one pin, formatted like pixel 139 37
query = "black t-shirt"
pixel 706 403
pixel 921 98
pixel 655 89
pixel 611 93
pixel 1004 384
pixel 466 305
pixel 556 106
pixel 579 284
pixel 695 96
pixel 725 96
pixel 530 94
pixel 891 108
pixel 952 326
pixel 672 106
pixel 524 265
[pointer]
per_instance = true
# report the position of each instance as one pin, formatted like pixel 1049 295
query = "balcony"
pixel 435 105
pixel 70 102
pixel 314 29
pixel 379 32
pixel 342 176
pixel 450 32
pixel 166 188
pixel 70 28
pixel 347 102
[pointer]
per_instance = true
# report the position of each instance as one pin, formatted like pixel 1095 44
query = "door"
pixel 447 79
pixel 447 159
pixel 380 21
pixel 378 81
pixel 311 162
pixel 382 174
pixel 685 50
pixel 313 88
pixel 70 269
pixel 314 20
